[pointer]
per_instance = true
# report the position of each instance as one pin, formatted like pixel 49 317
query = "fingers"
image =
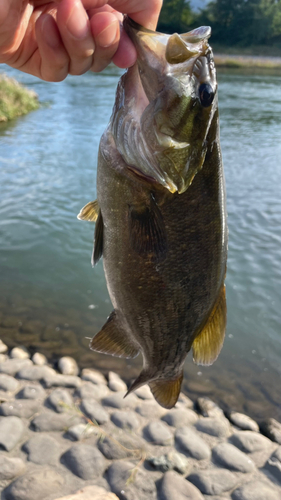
pixel 105 28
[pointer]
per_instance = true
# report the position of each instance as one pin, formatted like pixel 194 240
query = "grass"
pixel 15 100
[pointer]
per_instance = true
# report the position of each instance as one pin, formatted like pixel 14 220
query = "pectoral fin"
pixel 89 212
pixel 98 240
pixel 208 344
pixel 112 339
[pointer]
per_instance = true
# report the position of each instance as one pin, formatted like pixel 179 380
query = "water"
pixel 51 298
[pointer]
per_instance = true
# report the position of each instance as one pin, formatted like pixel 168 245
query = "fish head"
pixel 178 79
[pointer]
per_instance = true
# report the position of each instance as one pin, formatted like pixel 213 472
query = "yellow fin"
pixel 89 212
pixel 112 339
pixel 166 392
pixel 208 344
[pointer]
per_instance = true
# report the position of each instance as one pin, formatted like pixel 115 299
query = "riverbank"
pixel 69 430
pixel 247 61
pixel 15 99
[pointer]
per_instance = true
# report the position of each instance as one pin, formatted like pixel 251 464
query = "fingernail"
pixel 50 32
pixel 78 22
pixel 108 35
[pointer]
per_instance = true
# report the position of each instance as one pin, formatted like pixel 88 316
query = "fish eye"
pixel 206 94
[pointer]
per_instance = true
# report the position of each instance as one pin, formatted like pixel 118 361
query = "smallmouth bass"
pixel 160 212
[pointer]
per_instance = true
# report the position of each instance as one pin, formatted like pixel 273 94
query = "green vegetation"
pixel 15 100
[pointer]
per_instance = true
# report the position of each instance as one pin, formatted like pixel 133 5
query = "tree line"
pixel 234 22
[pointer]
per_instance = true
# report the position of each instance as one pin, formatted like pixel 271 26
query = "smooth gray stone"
pixel 85 461
pixel 94 411
pixel 181 417
pixel 171 461
pixel 126 419
pixel 175 487
pixel 34 372
pixel 39 359
pixel 92 391
pixel 23 408
pixel 32 391
pixel 51 421
pixel 158 433
pixel 249 441
pixel 214 481
pixel 115 383
pixel 93 376
pixel 243 421
pixel 20 352
pixel 123 446
pixel 8 383
pixel 58 380
pixel 142 487
pixel 277 454
pixel 189 442
pixel 81 431
pixel 144 392
pixel 118 401
pixel 36 485
pixel 11 431
pixel 150 409
pixel 60 400
pixel 10 467
pixel 12 366
pixel 42 449
pixel 273 465
pixel 68 366
pixel 229 456
pixel 3 347
pixel 272 429
pixel 208 408
pixel 218 427
pixel 255 490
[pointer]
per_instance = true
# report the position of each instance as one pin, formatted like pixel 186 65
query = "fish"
pixel 160 213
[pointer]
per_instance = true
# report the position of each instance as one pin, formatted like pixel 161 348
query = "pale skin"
pixel 51 39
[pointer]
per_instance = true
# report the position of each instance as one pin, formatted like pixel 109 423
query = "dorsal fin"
pixel 208 344
pixel 112 339
pixel 89 212
pixel 98 240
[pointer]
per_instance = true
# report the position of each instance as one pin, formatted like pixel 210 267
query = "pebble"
pixel 208 408
pixel 93 376
pixel 115 383
pixel 20 352
pixel 142 487
pixel 42 449
pixel 121 446
pixel 81 431
pixel 191 443
pixel 218 427
pixel 68 366
pixel 229 456
pixel 39 359
pixel 90 493
pixel 272 429
pixel 184 401
pixel 118 401
pixel 255 490
pixel 60 400
pixel 174 487
pixel 35 372
pixel 181 417
pixel 158 433
pixel 150 409
pixel 126 419
pixel 243 421
pixel 35 485
pixel 58 380
pixel 50 421
pixel 8 383
pixel 249 441
pixel 12 366
pixel 214 481
pixel 85 461
pixel 3 347
pixel 171 461
pixel 94 411
pixel 89 390
pixel 11 431
pixel 23 408
pixel 144 392
pixel 11 467
pixel 31 392
pixel 273 464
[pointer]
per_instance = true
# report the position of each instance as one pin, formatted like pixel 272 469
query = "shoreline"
pixel 15 99
pixel 73 433
pixel 246 61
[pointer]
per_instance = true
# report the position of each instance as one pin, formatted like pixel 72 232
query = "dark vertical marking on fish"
pixel 98 240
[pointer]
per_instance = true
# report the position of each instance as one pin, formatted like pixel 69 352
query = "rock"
pixel 230 457
pixel 12 366
pixel 50 421
pixel 20 352
pixel 208 408
pixel 85 461
pixel 273 465
pixel 171 461
pixel 90 493
pixel 142 487
pixel 10 467
pixel 144 392
pixel 184 402
pixel 121 446
pixel 150 409
pixel 68 366
pixel 243 421
pixel 174 487
pixel 272 429
pixel 218 427
pixel 23 408
pixel 3 347
pixel 158 433
pixel 255 490
pixel 11 431
pixel 191 443
pixel 118 401
pixel 42 449
pixel 39 359
pixel 8 383
pixel 81 431
pixel 60 400
pixel 115 383
pixel 214 481
pixel 126 419
pixel 92 391
pixel 181 417
pixel 34 391
pixel 249 441
pixel 3 357
pixel 35 485
pixel 35 372
pixel 58 380
pixel 93 376
pixel 94 411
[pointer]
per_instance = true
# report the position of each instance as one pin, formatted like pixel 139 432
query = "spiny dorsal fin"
pixel 166 392
pixel 113 340
pixel 89 212
pixel 98 240
pixel 208 344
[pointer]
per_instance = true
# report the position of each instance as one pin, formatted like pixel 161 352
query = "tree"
pixel 176 16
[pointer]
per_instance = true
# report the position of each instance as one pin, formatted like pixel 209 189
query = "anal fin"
pixel 89 212
pixel 166 392
pixel 207 345
pixel 98 240
pixel 113 340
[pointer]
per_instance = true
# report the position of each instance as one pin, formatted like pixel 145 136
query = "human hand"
pixel 53 38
